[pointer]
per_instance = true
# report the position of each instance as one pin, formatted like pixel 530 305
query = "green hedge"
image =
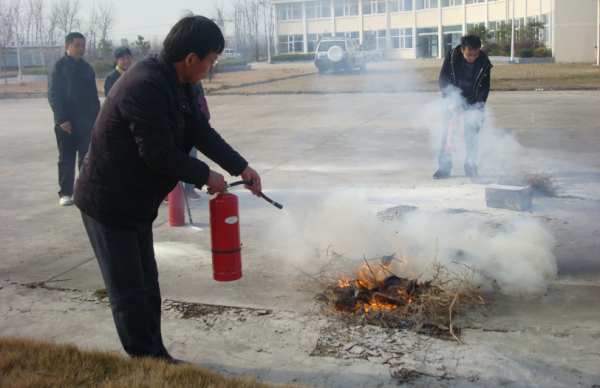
pixel 232 62
pixel 293 57
pixel 35 71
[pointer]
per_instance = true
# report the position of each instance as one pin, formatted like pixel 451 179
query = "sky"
pixel 154 18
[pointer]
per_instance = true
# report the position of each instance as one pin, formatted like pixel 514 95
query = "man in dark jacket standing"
pixel 73 97
pixel 138 153
pixel 124 60
pixel 467 68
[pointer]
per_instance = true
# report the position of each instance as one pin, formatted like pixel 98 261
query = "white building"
pixel 408 29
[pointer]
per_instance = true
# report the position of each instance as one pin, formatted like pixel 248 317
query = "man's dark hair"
pixel 120 52
pixel 193 34
pixel 72 36
pixel 471 41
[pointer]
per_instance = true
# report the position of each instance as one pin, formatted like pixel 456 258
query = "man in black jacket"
pixel 124 60
pixel 139 151
pixel 467 68
pixel 73 97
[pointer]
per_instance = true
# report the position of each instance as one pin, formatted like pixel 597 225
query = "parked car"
pixel 232 54
pixel 370 55
pixel 339 54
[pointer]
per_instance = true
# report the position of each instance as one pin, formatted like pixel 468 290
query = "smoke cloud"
pixel 499 151
pixel 519 257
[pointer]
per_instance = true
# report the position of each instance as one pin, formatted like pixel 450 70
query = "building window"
pixel 401 38
pixel 427 4
pixel 400 5
pixel 494 26
pixel 350 34
pixel 475 1
pixel 346 7
pixel 473 25
pixel 452 35
pixel 451 3
pixel 318 9
pixel 373 6
pixel 289 44
pixel 312 41
pixel 289 11
pixel 379 37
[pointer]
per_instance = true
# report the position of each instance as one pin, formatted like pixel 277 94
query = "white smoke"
pixel 519 258
pixel 499 151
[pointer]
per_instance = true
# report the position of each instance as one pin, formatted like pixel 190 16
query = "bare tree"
pixel 36 9
pixel 219 15
pixel 7 30
pixel 91 33
pixel 247 23
pixel 269 25
pixel 67 15
pixel 107 18
pixel 50 33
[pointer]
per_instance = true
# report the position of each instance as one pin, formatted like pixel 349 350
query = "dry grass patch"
pixel 39 363
pixel 35 87
pixel 403 79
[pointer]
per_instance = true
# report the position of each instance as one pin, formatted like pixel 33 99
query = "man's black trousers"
pixel 471 143
pixel 70 146
pixel 128 266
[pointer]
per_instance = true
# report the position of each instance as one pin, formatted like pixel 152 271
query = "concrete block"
pixel 509 197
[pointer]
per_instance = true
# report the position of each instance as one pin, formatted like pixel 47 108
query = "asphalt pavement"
pixel 347 157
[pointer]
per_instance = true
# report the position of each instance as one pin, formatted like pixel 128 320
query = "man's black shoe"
pixel 175 361
pixel 471 171
pixel 441 174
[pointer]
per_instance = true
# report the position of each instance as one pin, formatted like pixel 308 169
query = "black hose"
pixel 249 183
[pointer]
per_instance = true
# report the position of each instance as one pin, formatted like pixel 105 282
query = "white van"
pixel 231 54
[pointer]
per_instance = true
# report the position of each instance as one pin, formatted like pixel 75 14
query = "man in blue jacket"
pixel 467 69
pixel 138 153
pixel 73 97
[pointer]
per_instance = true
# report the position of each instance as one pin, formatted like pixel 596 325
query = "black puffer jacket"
pixel 140 145
pixel 453 64
pixel 110 80
pixel 72 93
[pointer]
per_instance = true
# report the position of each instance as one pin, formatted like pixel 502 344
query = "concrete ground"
pixel 309 148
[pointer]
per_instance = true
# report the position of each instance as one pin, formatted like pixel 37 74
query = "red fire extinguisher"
pixel 225 237
pixel 225 233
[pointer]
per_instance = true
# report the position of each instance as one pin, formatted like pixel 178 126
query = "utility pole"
pixel 512 39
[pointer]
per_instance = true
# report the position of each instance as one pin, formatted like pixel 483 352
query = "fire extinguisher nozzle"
pixel 277 205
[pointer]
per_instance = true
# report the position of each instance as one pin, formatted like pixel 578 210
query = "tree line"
pixel 44 23
pixel 253 24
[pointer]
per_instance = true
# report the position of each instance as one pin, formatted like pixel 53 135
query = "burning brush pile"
pixel 372 291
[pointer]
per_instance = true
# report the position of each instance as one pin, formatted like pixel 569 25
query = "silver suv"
pixel 338 54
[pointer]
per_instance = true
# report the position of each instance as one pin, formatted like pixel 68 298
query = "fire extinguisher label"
pixel 231 220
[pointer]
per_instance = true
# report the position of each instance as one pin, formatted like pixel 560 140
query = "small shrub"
pixel 293 57
pixel 528 44
pixel 35 71
pixel 524 53
pixel 495 52
pixel 102 68
pixel 488 47
pixel 542 52
pixel 506 48
pixel 232 62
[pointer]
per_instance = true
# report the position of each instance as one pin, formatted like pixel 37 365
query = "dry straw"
pixel 447 293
